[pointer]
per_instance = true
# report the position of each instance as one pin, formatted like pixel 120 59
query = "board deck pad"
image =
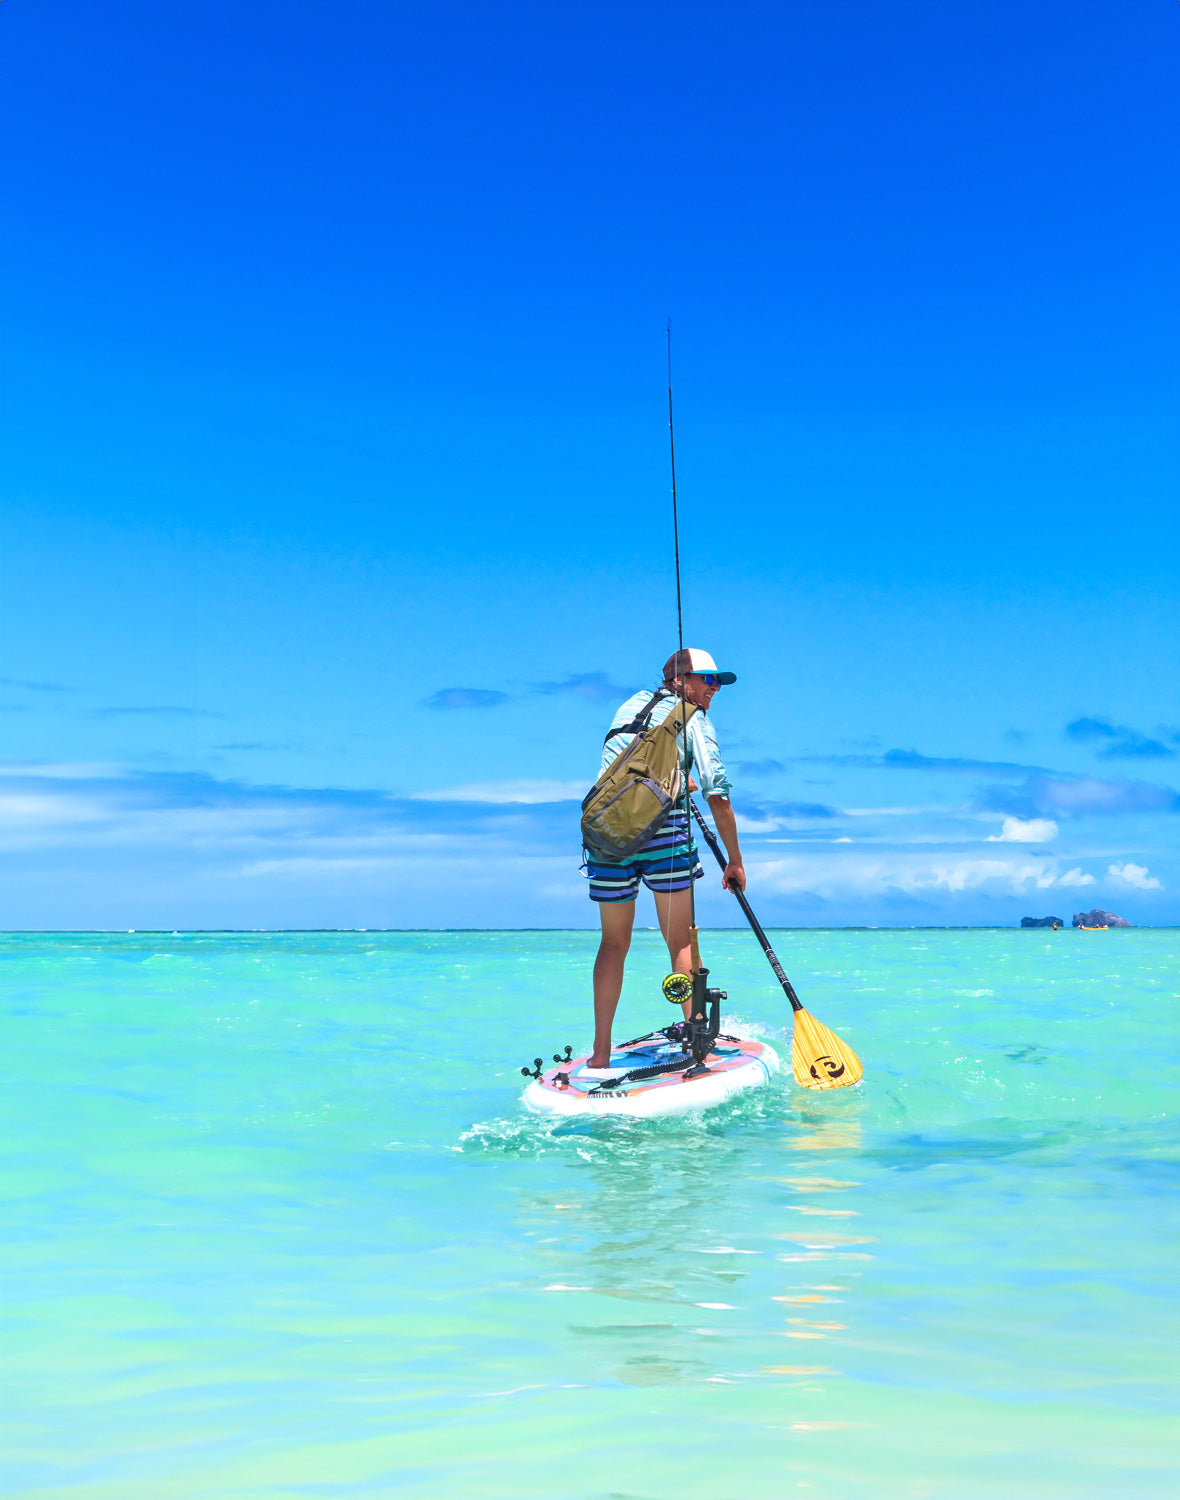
pixel 570 1088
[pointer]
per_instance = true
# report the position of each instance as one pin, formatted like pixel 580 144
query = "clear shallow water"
pixel 254 1247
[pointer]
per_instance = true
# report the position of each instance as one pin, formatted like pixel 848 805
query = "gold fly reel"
pixel 677 988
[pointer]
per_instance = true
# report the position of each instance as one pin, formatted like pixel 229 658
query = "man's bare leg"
pixel 674 910
pixel 617 918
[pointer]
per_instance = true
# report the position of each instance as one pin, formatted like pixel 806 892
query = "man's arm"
pixel 723 816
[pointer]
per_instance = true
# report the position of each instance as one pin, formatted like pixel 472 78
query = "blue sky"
pixel 335 478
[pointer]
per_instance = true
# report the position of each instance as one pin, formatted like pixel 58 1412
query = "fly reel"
pixel 677 988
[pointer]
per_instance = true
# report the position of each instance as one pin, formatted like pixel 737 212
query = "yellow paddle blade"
pixel 820 1059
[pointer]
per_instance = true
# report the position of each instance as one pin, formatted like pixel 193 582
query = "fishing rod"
pixel 692 905
pixel 820 1060
pixel 703 1024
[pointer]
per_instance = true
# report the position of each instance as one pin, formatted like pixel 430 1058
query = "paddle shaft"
pixel 755 924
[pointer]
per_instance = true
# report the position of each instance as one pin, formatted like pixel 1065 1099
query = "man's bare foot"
pixel 594 1062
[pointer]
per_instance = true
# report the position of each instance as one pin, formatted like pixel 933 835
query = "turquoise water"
pixel 275 1225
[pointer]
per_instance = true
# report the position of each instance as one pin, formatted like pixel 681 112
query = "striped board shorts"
pixel 663 864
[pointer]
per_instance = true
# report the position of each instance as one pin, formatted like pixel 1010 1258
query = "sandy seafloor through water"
pixel 276 1226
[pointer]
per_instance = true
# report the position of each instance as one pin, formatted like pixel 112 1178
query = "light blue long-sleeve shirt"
pixel 704 757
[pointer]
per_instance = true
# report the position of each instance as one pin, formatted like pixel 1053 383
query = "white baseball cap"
pixel 694 660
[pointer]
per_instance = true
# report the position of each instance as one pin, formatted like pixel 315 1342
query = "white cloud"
pixel 310 865
pixel 62 770
pixel 833 876
pixel 861 875
pixel 1024 831
pixel 746 824
pixel 32 823
pixel 171 849
pixel 1136 876
pixel 892 812
pixel 37 811
pixel 508 791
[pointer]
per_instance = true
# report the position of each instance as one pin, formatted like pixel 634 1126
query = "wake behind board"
pixel 571 1088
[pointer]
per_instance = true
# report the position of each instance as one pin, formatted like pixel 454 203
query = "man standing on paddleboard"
pixel 667 864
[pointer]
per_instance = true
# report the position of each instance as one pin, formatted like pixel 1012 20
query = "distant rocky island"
pixel 1095 918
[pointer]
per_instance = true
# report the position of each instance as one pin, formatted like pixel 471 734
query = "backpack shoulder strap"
pixel 641 720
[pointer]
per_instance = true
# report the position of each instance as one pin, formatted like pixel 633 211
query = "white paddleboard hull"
pixel 571 1088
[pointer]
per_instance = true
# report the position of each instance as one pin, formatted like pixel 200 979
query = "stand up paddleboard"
pixel 690 1065
pixel 651 1075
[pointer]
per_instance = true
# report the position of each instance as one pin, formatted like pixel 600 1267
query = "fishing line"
pixel 680 645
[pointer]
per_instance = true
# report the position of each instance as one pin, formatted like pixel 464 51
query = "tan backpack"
pixel 631 800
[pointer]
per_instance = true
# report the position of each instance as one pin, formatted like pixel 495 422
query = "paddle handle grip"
pixel 756 926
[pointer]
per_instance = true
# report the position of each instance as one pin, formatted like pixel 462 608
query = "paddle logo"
pixel 830 1066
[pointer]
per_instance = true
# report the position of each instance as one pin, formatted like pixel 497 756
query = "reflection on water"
pixel 816 1131
pixel 686 1222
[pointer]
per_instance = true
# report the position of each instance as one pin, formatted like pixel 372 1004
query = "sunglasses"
pixel 710 679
